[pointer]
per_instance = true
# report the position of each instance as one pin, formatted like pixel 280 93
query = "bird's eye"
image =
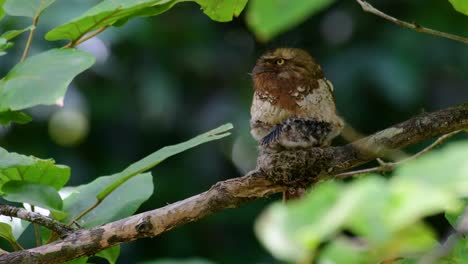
pixel 279 61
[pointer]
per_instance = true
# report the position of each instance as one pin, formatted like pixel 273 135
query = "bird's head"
pixel 285 69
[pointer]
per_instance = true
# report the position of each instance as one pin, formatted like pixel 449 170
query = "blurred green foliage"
pixel 111 12
pixel 384 215
pixel 5 38
pixel 460 5
pixel 172 261
pixel 267 18
pixel 25 7
pixel 6 232
pixel 8 116
pixel 157 81
pixel 37 182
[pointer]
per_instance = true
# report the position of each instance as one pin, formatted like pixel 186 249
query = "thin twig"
pixel 36 231
pixel 37 234
pixel 16 246
pixel 72 44
pixel 363 171
pixel 351 134
pixel 390 166
pixel 30 38
pixel 369 8
pixel 34 217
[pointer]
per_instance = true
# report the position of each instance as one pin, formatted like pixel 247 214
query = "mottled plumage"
pixel 293 104
pixel 298 133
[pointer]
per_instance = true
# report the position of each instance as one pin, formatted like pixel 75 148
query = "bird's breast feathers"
pixel 275 107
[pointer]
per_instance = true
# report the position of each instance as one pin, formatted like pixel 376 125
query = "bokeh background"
pixel 165 79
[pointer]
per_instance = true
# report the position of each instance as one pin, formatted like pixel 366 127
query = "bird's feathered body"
pixel 293 104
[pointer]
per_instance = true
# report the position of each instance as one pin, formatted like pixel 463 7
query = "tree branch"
pixel 370 9
pixel 61 229
pixel 390 166
pixel 272 173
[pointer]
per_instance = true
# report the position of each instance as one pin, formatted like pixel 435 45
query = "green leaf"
pixel 408 261
pixel 117 12
pixel 364 222
pixel 162 154
pixel 14 116
pixel 42 79
pixel 29 169
pixel 413 239
pixel 460 5
pixel 4 44
pixel 343 250
pixel 6 232
pixel 222 10
pixel 268 18
pixel 103 14
pixel 111 188
pixel 5 37
pixel 18 226
pixel 81 260
pixel 431 184
pixel 459 253
pixel 281 227
pixel 345 207
pixel 148 11
pixel 410 202
pixel 178 261
pixel 40 195
pixel 293 232
pixel 28 8
pixel 218 10
pixel 8 35
pixel 2 11
pixel 121 203
pixel 445 169
pixel 110 254
pixel 454 217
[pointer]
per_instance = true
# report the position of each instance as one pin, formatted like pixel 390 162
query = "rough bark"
pixel 61 229
pixel 271 177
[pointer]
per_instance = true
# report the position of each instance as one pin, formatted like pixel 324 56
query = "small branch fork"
pixel 390 166
pixel 36 218
pixel 232 193
pixel 369 8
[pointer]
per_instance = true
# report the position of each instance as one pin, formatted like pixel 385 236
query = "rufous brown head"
pixel 285 68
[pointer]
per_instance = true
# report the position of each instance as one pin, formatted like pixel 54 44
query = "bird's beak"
pixel 260 69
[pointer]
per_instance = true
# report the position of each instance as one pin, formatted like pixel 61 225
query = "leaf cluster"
pixel 385 214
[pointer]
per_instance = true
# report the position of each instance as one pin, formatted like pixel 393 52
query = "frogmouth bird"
pixel 293 104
